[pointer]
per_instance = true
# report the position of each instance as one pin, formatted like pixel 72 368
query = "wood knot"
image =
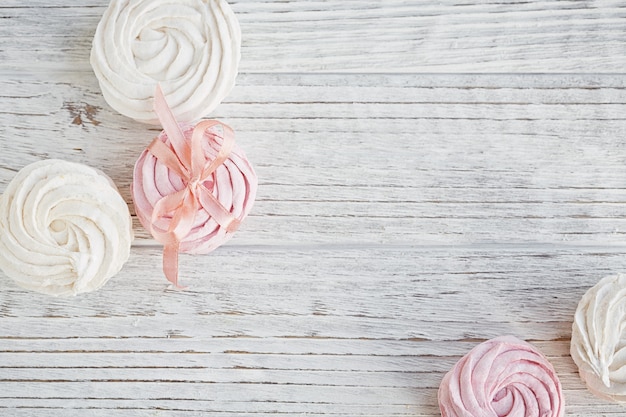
pixel 82 113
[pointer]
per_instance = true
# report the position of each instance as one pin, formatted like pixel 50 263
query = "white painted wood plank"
pixel 359 36
pixel 403 216
pixel 263 343
pixel 420 159
pixel 323 285
pixel 151 410
pixel 369 231
pixel 257 346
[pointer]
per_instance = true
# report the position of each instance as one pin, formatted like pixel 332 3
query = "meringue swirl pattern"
pixel 233 184
pixel 598 346
pixel 501 377
pixel 64 228
pixel 191 48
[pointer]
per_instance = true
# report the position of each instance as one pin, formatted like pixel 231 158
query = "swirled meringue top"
pixel 501 377
pixel 191 47
pixel 234 184
pixel 64 228
pixel 598 346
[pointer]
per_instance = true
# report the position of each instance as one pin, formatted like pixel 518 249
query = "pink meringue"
pixel 501 377
pixel 192 187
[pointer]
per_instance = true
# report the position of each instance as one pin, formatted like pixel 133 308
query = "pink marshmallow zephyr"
pixel 192 187
pixel 502 377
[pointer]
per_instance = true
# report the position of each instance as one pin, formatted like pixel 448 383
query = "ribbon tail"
pixel 164 154
pixel 222 216
pixel 225 148
pixel 165 205
pixel 180 226
pixel 170 263
pixel 171 126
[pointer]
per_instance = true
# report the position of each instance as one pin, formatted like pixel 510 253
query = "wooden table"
pixel 432 175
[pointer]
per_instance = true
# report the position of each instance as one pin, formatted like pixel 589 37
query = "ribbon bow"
pixel 189 162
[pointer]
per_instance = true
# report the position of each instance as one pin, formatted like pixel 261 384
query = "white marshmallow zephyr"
pixel 64 228
pixel 191 48
pixel 598 346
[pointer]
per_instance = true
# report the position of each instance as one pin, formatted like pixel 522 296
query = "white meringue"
pixel 64 228
pixel 598 344
pixel 191 47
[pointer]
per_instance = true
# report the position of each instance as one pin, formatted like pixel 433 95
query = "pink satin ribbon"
pixel 189 162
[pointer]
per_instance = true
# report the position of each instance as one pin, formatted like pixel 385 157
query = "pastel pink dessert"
pixel 502 377
pixel 192 187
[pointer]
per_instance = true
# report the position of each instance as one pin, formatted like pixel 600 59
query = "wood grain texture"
pixel 360 35
pixel 425 184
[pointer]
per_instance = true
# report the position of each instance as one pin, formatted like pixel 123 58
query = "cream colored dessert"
pixel 598 344
pixel 64 228
pixel 191 47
